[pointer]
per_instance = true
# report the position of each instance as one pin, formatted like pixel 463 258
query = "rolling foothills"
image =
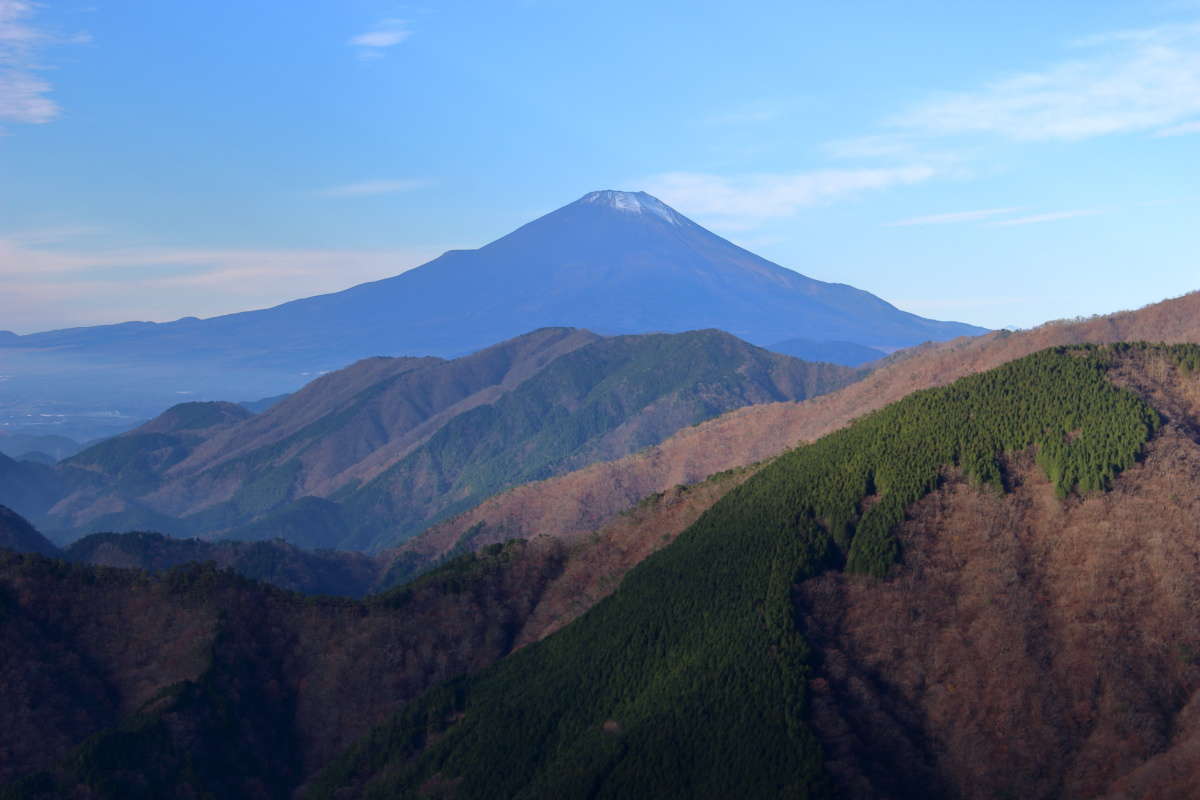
pixel 363 458
pixel 838 620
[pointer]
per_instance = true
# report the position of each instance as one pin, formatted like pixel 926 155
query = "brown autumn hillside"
pixel 330 572
pixel 69 670
pixel 572 504
pixel 1028 646
pixel 336 429
pixel 364 458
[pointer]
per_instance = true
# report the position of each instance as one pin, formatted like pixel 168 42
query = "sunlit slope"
pixel 367 456
pixel 572 505
pixel 690 681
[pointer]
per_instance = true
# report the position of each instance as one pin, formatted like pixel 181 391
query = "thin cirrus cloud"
pixel 872 146
pixel 44 284
pixel 741 202
pixel 1134 81
pixel 386 33
pixel 1053 216
pixel 374 187
pixel 988 217
pixel 23 93
pixel 952 218
pixel 1182 129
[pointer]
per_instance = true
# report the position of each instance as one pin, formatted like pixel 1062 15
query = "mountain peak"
pixel 633 203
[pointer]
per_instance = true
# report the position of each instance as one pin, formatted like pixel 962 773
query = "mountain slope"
pixel 17 535
pixel 16 445
pixel 692 679
pixel 839 352
pixel 275 562
pixel 698 677
pixel 573 504
pixel 85 704
pixel 132 461
pixel 377 408
pixel 1068 621
pixel 611 398
pixel 201 683
pixel 613 262
pixel 365 457
pixel 29 487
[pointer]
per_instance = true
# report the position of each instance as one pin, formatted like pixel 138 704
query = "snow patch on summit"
pixel 633 203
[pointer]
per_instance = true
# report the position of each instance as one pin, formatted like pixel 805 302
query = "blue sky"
pixel 998 163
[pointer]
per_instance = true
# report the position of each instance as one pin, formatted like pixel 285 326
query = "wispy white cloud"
pixel 951 218
pixel 44 284
pixel 47 236
pixel 23 93
pixel 1122 82
pixel 380 38
pixel 741 202
pixel 890 146
pixel 386 33
pixel 1182 129
pixel 1053 216
pixel 1144 80
pixel 374 187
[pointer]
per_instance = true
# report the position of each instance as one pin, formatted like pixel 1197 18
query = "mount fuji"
pixel 612 262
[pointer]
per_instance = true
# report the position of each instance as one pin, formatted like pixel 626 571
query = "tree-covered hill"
pixel 273 561
pixel 695 678
pixel 366 457
pixel 575 503
pixel 29 487
pixel 691 680
pixel 598 403
pixel 18 535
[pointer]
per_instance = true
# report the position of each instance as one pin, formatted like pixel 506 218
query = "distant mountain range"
pixel 367 456
pixel 612 262
pixel 46 449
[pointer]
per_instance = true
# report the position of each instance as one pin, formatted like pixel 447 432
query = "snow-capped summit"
pixel 612 262
pixel 633 203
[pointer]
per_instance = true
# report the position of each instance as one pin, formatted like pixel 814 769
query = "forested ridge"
pixel 198 682
pixel 364 458
pixel 690 681
pixel 599 402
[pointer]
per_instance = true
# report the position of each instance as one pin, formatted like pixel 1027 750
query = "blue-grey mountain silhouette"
pixel 612 262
